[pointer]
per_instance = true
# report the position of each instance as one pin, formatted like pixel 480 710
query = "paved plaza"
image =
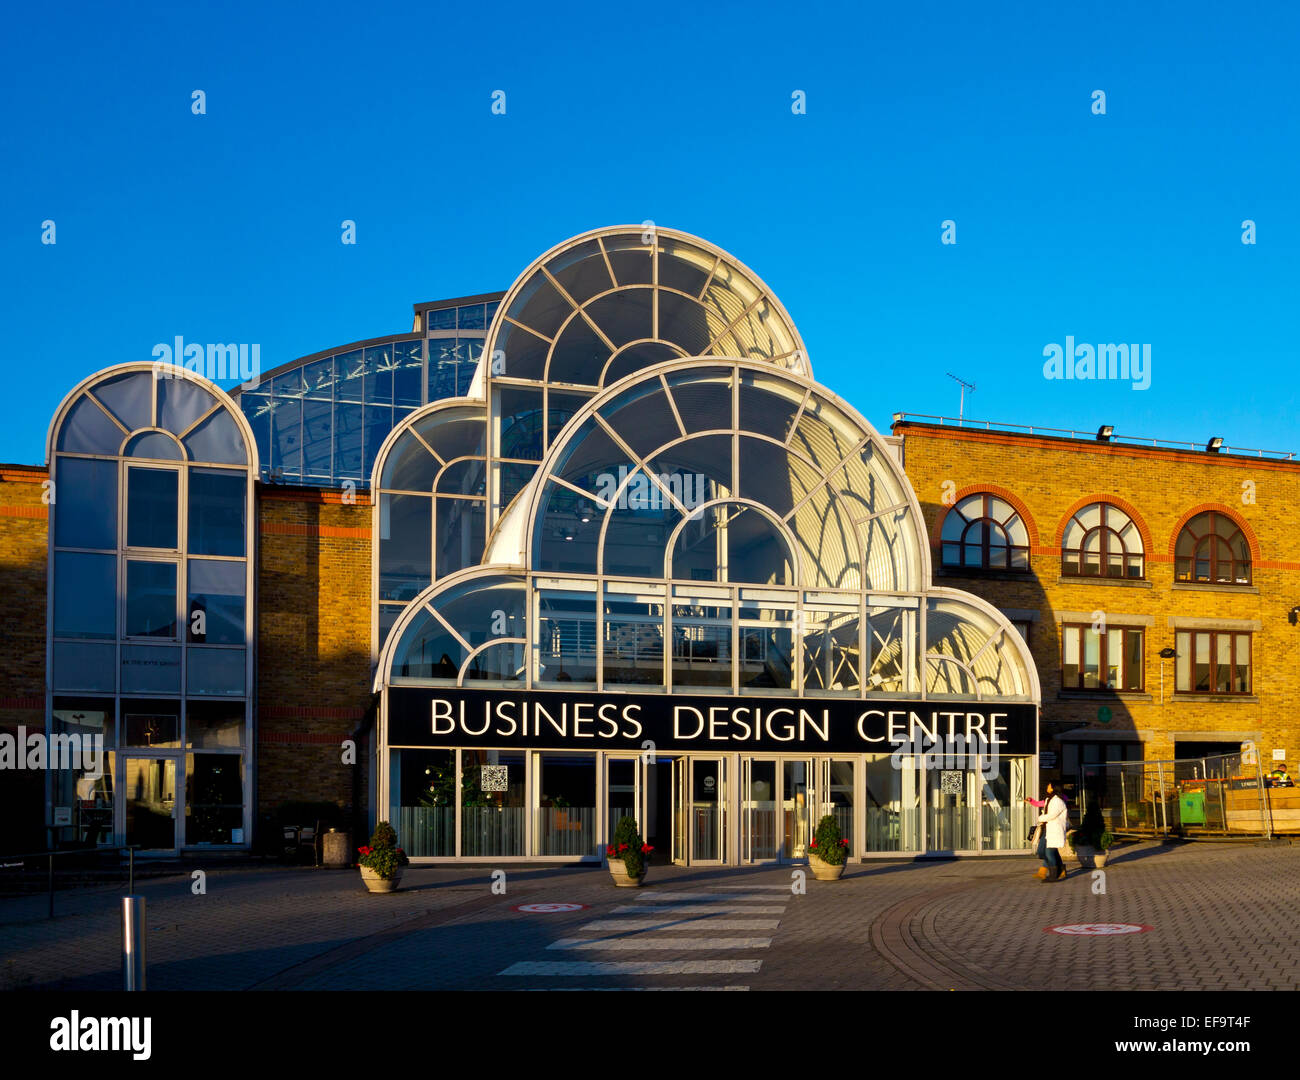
pixel 1197 916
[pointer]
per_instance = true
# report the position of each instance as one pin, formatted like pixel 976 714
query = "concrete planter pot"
pixel 1089 857
pixel 624 880
pixel 824 871
pixel 377 884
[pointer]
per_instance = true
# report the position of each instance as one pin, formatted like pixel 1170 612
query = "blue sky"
pixel 1117 228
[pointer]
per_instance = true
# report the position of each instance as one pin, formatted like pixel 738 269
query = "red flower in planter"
pixel 609 849
pixel 813 844
pixel 843 843
pixel 646 849
pixel 622 847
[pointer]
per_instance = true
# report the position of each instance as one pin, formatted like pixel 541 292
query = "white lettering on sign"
pixel 959 731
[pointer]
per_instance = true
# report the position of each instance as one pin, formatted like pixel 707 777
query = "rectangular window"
pixel 212 725
pixel 1107 662
pixel 150 723
pixel 1213 662
pixel 408 378
pixel 216 602
pixel 214 799
pixel 85 512
pixel 440 319
pixel 85 595
pixel 218 521
pixel 150 599
pixel 152 499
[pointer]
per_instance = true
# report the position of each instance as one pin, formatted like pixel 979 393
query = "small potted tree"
pixel 1091 840
pixel 381 860
pixel 829 851
pixel 627 854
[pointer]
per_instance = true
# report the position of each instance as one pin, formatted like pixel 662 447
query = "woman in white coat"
pixel 1054 820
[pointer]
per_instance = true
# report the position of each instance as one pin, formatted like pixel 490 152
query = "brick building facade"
pixel 773 564
pixel 1048 480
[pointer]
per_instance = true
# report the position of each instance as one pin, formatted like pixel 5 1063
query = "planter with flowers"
pixel 627 854
pixel 381 860
pixel 829 851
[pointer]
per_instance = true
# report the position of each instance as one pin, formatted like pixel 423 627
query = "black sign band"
pixel 431 716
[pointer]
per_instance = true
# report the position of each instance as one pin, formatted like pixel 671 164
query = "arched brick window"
pixel 1212 549
pixel 1100 540
pixel 985 532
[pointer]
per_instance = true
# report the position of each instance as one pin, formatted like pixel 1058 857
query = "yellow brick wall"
pixel 1050 477
pixel 313 642
pixel 24 526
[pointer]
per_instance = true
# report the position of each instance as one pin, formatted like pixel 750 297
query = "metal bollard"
pixel 133 943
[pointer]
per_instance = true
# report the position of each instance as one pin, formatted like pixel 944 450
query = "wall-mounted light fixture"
pixel 1212 447
pixel 1105 433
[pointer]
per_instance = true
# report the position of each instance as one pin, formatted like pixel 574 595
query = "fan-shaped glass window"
pixel 153 444
pixel 1102 541
pixel 1212 549
pixel 600 308
pixel 657 450
pixel 88 428
pixel 432 504
pixel 969 654
pixel 984 532
pixel 452 638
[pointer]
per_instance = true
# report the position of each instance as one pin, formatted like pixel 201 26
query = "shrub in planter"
pixel 628 846
pixel 382 855
pixel 828 843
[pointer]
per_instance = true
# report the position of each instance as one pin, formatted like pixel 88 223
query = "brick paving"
pixel 1222 917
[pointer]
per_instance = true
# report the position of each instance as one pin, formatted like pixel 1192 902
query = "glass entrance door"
pixel 708 810
pixel 796 808
pixel 699 810
pixel 624 794
pixel 758 793
pixel 778 802
pixel 681 812
pixel 952 796
pixel 149 803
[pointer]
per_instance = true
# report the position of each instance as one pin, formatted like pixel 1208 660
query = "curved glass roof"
pixel 671 503
pixel 321 419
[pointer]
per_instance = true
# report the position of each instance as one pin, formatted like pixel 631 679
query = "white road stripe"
pixel 707 898
pixel 703 909
pixel 633 967
pixel 560 989
pixel 681 924
pixel 662 944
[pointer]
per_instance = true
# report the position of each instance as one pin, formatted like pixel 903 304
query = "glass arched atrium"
pixel 645 496
pixel 150 633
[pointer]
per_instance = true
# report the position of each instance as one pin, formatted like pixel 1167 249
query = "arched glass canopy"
pixel 604 306
pixel 671 504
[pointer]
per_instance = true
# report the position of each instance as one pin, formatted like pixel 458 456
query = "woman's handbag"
pixel 1039 839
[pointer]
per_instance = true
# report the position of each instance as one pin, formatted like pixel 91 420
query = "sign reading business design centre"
pixel 428 716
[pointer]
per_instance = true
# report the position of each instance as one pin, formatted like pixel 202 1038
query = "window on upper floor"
pixel 1213 662
pixel 1101 540
pixel 1111 660
pixel 1212 549
pixel 984 532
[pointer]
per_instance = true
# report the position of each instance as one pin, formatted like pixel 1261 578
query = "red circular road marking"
pixel 1098 929
pixel 548 908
